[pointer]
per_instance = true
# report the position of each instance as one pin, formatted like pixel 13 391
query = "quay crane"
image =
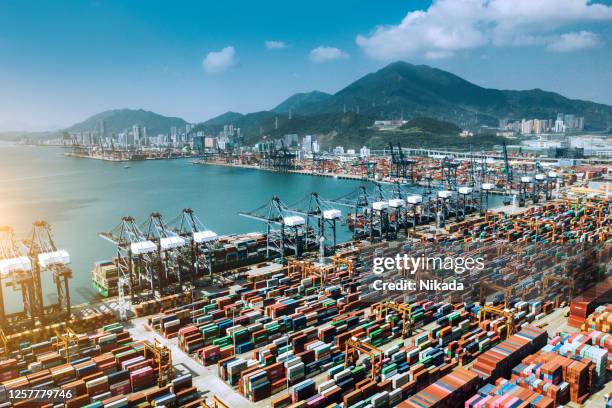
pixel 359 201
pixel 46 257
pixel 135 263
pixel 169 258
pixel 400 164
pixel 324 216
pixel 285 230
pixel 201 241
pixel 16 271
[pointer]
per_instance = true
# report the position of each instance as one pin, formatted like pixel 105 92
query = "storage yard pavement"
pixel 206 379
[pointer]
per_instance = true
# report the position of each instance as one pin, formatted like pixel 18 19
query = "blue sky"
pixel 62 61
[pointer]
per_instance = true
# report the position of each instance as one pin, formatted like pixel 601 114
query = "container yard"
pixel 291 317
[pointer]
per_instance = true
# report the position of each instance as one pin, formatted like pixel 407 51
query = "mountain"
pixel 119 120
pixel 224 119
pixel 296 101
pixel 440 102
pixel 410 90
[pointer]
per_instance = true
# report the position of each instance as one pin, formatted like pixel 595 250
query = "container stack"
pixel 499 360
pixel 600 319
pixel 449 391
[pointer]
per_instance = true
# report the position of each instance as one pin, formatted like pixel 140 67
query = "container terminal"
pixel 290 317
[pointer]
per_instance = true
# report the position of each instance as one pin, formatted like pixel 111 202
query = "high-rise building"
pixel 364 152
pixel 307 143
pixel 136 135
pixel 315 147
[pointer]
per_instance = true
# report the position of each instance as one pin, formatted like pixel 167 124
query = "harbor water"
pixel 82 197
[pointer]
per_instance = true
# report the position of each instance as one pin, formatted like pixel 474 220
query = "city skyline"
pixel 62 64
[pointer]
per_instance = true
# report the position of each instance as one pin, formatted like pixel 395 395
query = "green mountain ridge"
pixel 120 120
pixel 398 90
pixel 410 90
pixel 300 99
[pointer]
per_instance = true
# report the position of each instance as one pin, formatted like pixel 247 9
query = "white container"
pixel 526 179
pixel 552 174
pixel 487 186
pixel 143 247
pixel 171 242
pixel 294 221
pixel 332 214
pixel 465 190
pixel 397 203
pixel 380 205
pixel 60 257
pixel 414 199
pixel 204 236
pixel 445 194
pixel 540 176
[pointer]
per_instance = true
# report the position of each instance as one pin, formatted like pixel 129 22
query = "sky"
pixel 63 61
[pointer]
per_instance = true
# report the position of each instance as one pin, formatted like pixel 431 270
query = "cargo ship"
pixel 231 251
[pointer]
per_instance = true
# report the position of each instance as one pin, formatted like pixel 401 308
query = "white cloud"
pixel 450 26
pixel 275 45
pixel 219 61
pixel 322 54
pixel 574 41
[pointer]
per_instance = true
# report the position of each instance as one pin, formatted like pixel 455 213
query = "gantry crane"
pixel 316 210
pixel 484 285
pixel 404 310
pixel 285 230
pixel 309 270
pixel 134 260
pixel 507 167
pixel 4 345
pixel 406 163
pixel 352 349
pixel 45 256
pixel 170 258
pixel 499 312
pixel 66 341
pixel 570 282
pixel 162 358
pixel 16 272
pixel 202 241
